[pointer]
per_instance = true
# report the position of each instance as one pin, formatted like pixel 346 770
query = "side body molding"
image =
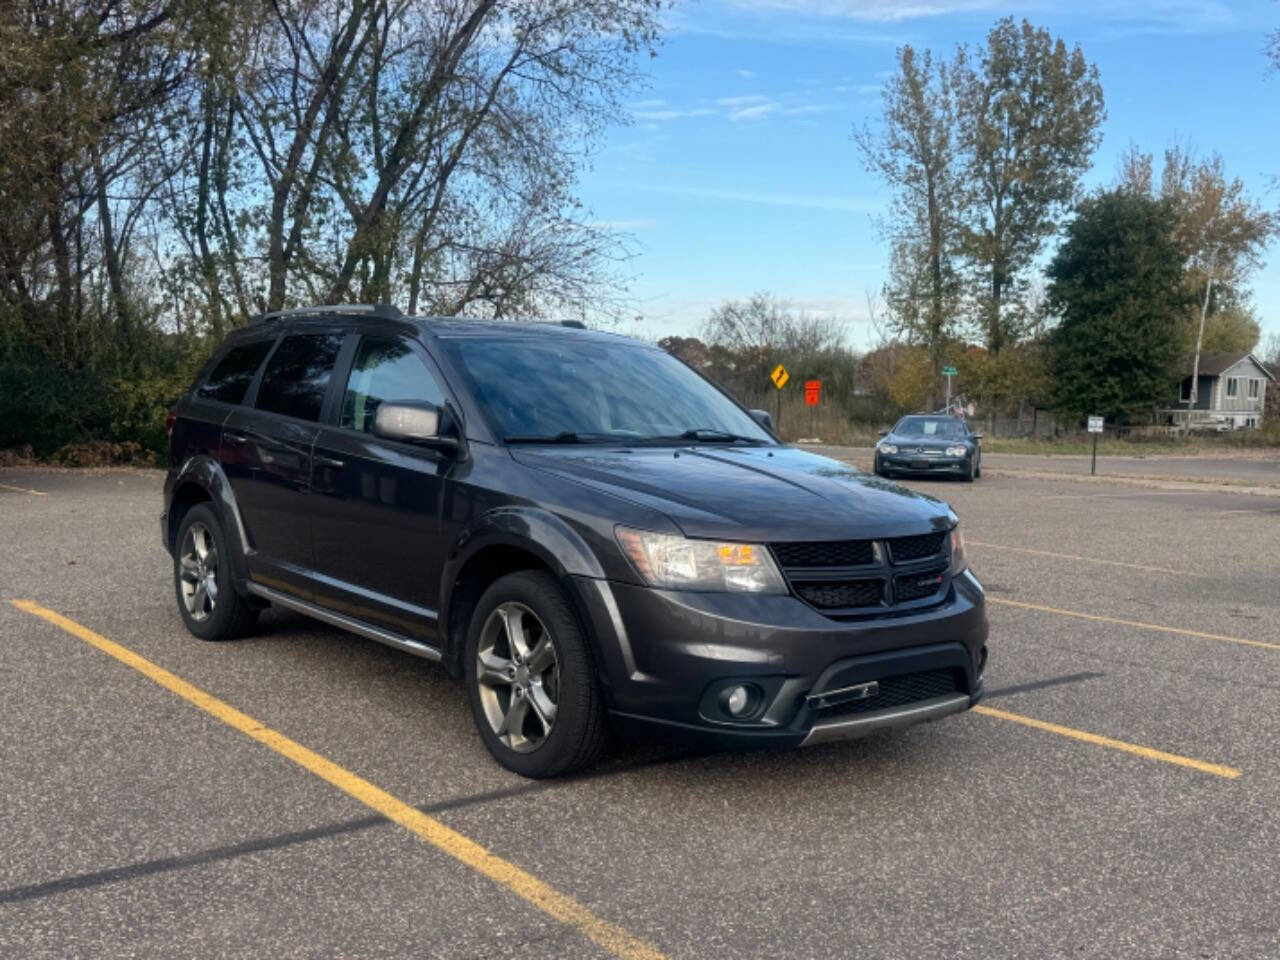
pixel 205 472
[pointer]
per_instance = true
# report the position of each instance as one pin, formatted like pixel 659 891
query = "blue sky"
pixel 737 172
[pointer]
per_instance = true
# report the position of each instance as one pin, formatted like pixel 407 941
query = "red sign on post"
pixel 811 390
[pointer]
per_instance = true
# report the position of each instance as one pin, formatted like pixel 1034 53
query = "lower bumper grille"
pixel 842 593
pixel 899 691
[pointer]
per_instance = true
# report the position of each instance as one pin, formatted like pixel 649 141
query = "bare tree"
pixel 916 155
pixel 426 150
pixel 763 323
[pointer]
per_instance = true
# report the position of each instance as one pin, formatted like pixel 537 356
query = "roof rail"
pixel 385 311
pixel 573 324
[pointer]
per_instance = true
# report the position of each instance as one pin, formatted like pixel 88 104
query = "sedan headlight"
pixel 956 451
pixel 888 448
pixel 677 563
pixel 958 559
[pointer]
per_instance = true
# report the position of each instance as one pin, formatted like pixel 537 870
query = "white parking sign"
pixel 1095 424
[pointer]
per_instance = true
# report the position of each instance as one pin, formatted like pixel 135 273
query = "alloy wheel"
pixel 518 677
pixel 198 572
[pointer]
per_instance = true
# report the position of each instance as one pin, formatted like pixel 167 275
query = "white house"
pixel 1232 393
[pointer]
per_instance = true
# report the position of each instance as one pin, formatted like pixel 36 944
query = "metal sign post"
pixel 949 371
pixel 1095 427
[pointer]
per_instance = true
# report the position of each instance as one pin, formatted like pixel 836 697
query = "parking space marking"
pixel 1136 624
pixel 1217 769
pixel 1072 556
pixel 10 486
pixel 559 906
pixel 1129 495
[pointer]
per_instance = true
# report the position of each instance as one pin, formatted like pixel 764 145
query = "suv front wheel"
pixel 531 678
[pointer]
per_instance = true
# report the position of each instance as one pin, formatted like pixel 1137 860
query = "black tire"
pixel 579 729
pixel 229 615
pixel 971 472
pixel 977 470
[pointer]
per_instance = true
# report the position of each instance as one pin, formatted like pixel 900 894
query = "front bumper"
pixel 900 463
pixel 667 657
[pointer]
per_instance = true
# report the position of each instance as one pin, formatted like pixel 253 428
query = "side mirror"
pixel 411 421
pixel 884 433
pixel 762 417
pixel 976 436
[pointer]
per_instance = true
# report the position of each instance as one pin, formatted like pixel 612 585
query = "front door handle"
pixel 235 438
pixel 329 462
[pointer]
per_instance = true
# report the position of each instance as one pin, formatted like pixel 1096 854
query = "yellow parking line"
pixel 1217 769
pixel 1073 556
pixel 463 849
pixel 1136 624
pixel 9 486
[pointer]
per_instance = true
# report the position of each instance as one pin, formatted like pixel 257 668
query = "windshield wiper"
pixel 566 436
pixel 709 435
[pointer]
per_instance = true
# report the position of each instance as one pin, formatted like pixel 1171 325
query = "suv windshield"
pixel 565 389
pixel 943 427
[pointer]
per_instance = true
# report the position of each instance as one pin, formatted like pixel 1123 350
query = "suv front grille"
pixel 899 691
pixel 902 549
pixel 826 553
pixel 849 577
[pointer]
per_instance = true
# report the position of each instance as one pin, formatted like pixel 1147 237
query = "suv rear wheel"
pixel 531 678
pixel 207 599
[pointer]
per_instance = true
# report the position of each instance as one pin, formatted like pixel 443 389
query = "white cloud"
pixel 757 112
pixel 1158 16
pixel 647 104
pixel 735 103
pixel 672 114
pixel 810 108
pixel 876 11
pixel 623 225
pixel 746 74
pixel 835 203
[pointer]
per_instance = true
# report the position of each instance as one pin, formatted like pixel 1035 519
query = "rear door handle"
pixel 329 462
pixel 235 438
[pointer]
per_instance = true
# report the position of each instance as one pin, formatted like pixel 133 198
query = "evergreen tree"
pixel 1116 286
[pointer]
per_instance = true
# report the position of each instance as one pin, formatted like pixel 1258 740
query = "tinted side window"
pixel 234 372
pixel 383 370
pixel 297 375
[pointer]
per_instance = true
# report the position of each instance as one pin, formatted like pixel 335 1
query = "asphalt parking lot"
pixel 1116 796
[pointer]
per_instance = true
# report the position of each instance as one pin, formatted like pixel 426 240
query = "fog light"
pixel 738 700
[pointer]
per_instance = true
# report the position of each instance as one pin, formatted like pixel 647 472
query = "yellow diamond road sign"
pixel 779 376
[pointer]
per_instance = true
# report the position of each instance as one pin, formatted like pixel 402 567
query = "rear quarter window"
pixel 232 374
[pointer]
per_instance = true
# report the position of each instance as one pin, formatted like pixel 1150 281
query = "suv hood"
pixel 760 494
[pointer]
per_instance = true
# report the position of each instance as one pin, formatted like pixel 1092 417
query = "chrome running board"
pixel 416 647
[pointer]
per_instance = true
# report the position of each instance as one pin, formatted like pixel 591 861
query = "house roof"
pixel 1216 364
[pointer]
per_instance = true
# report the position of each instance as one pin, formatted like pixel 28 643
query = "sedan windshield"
pixel 569 390
pixel 944 428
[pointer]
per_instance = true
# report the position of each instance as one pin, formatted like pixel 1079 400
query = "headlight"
pixel 956 451
pixel 958 560
pixel 888 448
pixel 677 563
